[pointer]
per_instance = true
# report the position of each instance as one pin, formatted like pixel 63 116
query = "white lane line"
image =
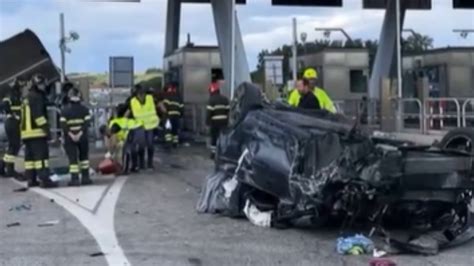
pixel 100 224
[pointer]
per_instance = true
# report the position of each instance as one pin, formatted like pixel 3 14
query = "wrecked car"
pixel 284 167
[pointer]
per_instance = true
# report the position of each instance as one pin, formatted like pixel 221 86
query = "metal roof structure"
pixel 22 56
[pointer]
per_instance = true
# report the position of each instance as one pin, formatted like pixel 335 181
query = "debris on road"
pixel 311 168
pixel 21 189
pixel 49 223
pixel 97 254
pixel 13 224
pixel 354 245
pixel 21 207
pixel 382 262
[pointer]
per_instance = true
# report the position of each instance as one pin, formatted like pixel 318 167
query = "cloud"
pixel 138 29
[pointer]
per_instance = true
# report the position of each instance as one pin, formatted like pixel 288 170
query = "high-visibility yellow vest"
pixel 125 125
pixel 324 101
pixel 145 113
pixel 294 98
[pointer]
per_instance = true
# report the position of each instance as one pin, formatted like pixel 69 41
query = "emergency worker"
pixel 143 109
pixel 217 114
pixel 35 133
pixel 11 106
pixel 75 119
pixel 174 111
pixel 122 146
pixel 324 100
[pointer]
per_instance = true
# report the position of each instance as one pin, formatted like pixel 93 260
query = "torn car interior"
pixel 283 167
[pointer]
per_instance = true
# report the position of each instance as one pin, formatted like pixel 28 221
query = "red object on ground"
pixel 108 167
pixel 382 262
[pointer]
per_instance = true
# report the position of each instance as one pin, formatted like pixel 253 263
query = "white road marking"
pixel 99 220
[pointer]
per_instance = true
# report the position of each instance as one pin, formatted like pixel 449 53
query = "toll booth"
pixel 449 76
pixel 343 72
pixel 193 68
pixel 450 71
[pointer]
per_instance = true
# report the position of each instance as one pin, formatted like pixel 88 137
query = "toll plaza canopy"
pixel 22 56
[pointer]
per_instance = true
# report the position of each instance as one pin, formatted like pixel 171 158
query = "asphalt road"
pixel 156 224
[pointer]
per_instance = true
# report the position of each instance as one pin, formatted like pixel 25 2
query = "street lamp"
pixel 63 40
pixel 327 32
pixel 463 32
pixel 410 31
pixel 303 38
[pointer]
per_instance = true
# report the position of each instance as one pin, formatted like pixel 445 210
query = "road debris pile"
pixel 281 167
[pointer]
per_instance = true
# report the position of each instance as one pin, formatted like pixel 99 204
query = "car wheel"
pixel 461 139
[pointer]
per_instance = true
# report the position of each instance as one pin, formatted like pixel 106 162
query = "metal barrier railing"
pixel 443 113
pixel 464 114
pixel 411 117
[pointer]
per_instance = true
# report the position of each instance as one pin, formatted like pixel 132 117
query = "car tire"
pixel 461 139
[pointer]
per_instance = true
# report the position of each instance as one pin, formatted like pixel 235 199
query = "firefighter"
pixel 75 118
pixel 143 109
pixel 217 114
pixel 35 133
pixel 11 105
pixel 174 112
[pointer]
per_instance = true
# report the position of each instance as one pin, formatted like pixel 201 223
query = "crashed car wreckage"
pixel 283 167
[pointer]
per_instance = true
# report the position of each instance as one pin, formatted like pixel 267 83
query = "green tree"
pixel 417 43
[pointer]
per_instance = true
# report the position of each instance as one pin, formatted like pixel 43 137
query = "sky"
pixel 137 29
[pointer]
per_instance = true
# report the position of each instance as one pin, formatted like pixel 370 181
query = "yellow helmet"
pixel 310 73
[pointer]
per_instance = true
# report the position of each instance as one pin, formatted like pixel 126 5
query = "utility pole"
pixel 295 52
pixel 62 47
pixel 232 53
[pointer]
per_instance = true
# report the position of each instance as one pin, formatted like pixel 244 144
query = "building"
pixel 193 68
pixel 343 72
pixel 450 72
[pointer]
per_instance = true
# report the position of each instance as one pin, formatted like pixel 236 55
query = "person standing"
pixel 325 101
pixel 174 111
pixel 34 133
pixel 11 105
pixel 217 114
pixel 308 100
pixel 75 119
pixel 143 109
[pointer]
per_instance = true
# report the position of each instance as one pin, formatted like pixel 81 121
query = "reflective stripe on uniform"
pixel 87 118
pixel 73 168
pixel 29 165
pixel 28 132
pixel 168 137
pixel 166 101
pixel 34 133
pixel 38 165
pixel 46 163
pixel 75 128
pixel 40 121
pixel 6 99
pixel 219 117
pixel 75 121
pixel 8 158
pixel 15 107
pixel 174 113
pixel 84 164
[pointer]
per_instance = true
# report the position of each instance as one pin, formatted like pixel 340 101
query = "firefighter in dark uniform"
pixel 75 118
pixel 11 105
pixel 34 133
pixel 174 111
pixel 217 114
